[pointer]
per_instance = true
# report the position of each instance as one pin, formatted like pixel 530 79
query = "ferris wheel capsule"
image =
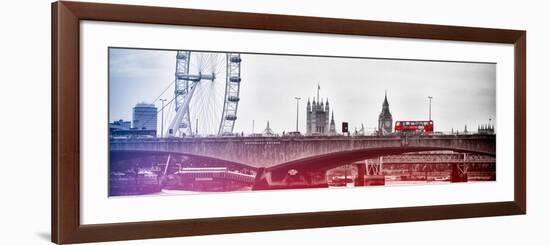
pixel 235 79
pixel 181 55
pixel 233 98
pixel 231 117
pixel 236 59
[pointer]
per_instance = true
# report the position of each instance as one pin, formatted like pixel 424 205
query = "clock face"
pixel 387 124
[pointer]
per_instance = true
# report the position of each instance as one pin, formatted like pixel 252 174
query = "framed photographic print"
pixel 176 122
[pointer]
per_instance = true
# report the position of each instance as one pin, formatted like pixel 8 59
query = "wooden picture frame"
pixel 65 176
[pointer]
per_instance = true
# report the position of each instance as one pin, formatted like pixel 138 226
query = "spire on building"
pixel 332 130
pixel 268 131
pixel 385 119
pixel 318 88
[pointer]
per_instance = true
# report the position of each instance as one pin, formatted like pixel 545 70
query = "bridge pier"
pixel 369 173
pixel 375 180
pixel 459 172
pixel 361 174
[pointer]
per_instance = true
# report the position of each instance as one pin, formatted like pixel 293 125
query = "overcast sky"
pixel 463 93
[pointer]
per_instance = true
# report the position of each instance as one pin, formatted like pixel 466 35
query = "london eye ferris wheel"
pixel 206 93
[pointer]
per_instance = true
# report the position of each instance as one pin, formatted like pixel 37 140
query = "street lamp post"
pixel 430 108
pixel 297 111
pixel 162 118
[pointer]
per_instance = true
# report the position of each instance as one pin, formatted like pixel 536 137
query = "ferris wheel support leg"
pixel 182 115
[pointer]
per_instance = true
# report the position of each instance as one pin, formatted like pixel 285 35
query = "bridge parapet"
pixel 484 144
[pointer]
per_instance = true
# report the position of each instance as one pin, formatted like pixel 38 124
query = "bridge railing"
pixel 319 137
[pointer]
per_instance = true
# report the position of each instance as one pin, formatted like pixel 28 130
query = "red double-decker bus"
pixel 419 127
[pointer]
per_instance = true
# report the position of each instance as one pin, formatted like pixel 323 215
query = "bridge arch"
pixel 306 168
pixel 336 159
pixel 118 155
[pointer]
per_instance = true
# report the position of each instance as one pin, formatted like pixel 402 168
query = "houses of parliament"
pixel 318 121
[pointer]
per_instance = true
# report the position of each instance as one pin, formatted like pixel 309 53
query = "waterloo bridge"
pixel 281 160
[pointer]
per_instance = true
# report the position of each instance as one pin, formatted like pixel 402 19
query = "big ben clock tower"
pixel 385 120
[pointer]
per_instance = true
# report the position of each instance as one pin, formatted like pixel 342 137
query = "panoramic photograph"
pixel 191 122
